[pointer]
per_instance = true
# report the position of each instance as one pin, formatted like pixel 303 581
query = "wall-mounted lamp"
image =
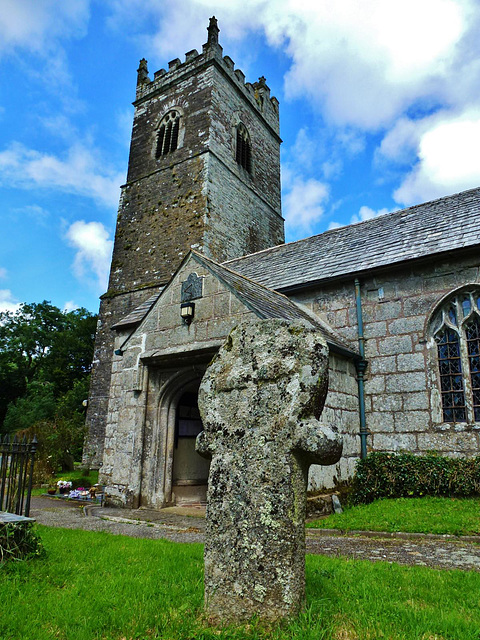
pixel 118 352
pixel 187 310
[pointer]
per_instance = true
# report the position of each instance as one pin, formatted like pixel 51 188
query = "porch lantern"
pixel 187 310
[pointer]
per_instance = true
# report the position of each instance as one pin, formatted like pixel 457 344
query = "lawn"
pixel 456 516
pixel 96 586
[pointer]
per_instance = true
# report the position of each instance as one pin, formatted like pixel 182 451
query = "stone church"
pixel 199 246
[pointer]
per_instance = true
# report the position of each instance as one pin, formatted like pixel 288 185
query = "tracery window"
pixel 456 330
pixel 244 151
pixel 167 140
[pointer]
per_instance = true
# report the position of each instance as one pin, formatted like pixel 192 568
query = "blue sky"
pixel 379 106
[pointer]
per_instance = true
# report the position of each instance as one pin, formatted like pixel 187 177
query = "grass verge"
pixel 96 586
pixel 456 516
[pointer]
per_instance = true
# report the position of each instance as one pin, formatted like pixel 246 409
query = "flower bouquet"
pixel 64 486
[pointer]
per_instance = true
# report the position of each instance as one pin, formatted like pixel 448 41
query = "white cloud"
pixel 448 158
pixel 94 249
pixel 42 28
pixel 303 202
pixel 401 142
pixel 80 172
pixel 70 305
pixel 8 302
pixel 3 273
pixel 334 225
pixel 364 213
pixel 363 63
pixel 35 25
pixel 305 151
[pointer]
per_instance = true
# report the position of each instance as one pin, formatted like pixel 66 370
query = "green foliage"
pixel 37 405
pixel 41 345
pixel 60 439
pixel 45 360
pixel 454 516
pixel 403 475
pixel 84 482
pixel 19 541
pixel 154 589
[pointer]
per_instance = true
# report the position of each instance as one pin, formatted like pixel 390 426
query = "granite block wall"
pixel 402 380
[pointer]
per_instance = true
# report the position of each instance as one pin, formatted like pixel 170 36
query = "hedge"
pixel 403 475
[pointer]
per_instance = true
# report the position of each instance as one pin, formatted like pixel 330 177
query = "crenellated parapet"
pixel 257 93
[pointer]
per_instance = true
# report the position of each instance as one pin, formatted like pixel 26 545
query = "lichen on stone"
pixel 258 401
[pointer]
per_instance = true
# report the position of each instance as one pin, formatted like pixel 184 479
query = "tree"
pixel 43 351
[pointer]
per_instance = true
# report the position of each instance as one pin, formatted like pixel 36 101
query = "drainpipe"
pixel 361 365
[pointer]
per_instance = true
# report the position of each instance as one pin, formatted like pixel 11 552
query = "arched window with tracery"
pixel 168 133
pixel 456 331
pixel 244 150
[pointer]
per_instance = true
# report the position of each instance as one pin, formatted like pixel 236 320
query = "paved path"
pixel 188 525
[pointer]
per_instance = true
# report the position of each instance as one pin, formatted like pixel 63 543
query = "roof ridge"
pixel 330 334
pixel 343 228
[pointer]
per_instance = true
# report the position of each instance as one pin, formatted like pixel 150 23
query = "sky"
pixel 379 110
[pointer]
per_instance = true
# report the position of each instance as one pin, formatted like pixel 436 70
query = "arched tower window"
pixel 244 152
pixel 167 140
pixel 456 330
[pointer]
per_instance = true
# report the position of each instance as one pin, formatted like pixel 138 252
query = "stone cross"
pixel 260 401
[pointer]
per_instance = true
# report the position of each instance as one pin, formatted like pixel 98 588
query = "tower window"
pixel 456 330
pixel 167 140
pixel 244 153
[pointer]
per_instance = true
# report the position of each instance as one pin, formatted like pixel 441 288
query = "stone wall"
pixel 402 398
pixel 163 358
pixel 341 411
pixel 111 311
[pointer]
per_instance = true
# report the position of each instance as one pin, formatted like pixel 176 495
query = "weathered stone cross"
pixel 260 401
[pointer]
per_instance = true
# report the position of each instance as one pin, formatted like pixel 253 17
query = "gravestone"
pixel 260 401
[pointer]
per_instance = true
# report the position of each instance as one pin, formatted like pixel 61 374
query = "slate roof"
pixel 266 303
pixel 447 224
pixel 138 314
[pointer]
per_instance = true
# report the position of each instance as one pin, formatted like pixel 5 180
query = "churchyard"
pixel 250 581
pixel 100 586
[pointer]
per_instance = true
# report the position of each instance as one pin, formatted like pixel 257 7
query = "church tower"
pixel 203 172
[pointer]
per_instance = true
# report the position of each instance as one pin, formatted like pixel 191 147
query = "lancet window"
pixel 244 151
pixel 456 330
pixel 167 140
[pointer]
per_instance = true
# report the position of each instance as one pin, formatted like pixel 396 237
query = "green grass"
pixel 96 586
pixel 457 516
pixel 76 475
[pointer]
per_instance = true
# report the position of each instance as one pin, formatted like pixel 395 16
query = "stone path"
pixel 188 524
pixel 439 552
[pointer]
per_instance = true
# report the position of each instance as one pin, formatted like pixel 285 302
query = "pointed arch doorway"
pixel 172 471
pixel 190 471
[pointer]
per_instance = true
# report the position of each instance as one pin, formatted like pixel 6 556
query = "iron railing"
pixel 16 474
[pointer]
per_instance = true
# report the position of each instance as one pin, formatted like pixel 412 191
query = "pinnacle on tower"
pixel 213 32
